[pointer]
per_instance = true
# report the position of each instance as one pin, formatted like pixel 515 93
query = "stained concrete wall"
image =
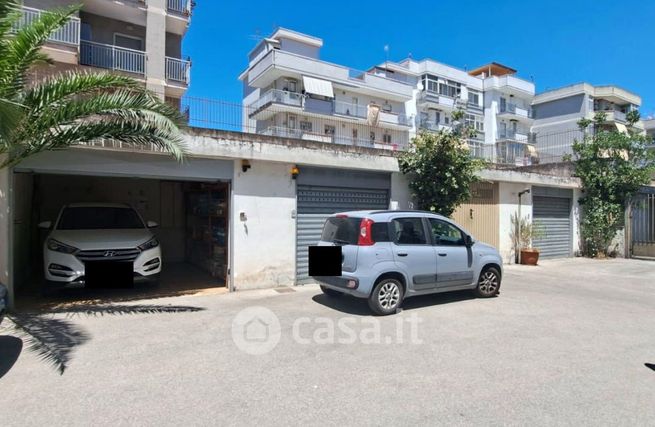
pixel 263 226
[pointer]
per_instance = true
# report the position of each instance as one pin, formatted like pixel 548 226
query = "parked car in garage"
pixel 388 256
pixel 3 302
pixel 105 237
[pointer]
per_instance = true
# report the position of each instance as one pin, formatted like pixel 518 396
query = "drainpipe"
pixel 527 190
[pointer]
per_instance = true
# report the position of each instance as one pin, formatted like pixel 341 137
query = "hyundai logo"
pixel 110 254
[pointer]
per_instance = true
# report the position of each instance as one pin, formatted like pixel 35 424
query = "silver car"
pixel 391 255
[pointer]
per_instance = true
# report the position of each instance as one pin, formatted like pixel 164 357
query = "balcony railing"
pixel 180 6
pixel 178 70
pixel 520 135
pixel 325 107
pixel 515 109
pixel 68 34
pixel 112 57
pixel 432 125
pixel 615 115
pixel 286 132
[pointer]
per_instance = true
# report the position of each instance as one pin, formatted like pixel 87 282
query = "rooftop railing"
pixel 68 34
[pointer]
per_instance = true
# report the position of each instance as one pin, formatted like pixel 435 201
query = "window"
pixel 386 138
pixel 446 120
pixel 85 31
pixel 99 218
pixel 431 83
pixel 329 130
pixel 387 108
pixel 355 134
pixel 129 42
pixel 290 85
pixel 446 234
pixel 475 121
pixel 408 231
pixel 341 230
pixel 305 126
pixel 474 98
pixel 450 88
pixel 372 136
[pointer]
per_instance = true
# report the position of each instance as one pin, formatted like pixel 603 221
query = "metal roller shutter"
pixel 316 203
pixel 554 216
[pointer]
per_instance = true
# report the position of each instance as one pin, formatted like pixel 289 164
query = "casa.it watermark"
pixel 257 330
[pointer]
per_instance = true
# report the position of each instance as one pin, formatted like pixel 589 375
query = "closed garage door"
pixel 552 211
pixel 323 192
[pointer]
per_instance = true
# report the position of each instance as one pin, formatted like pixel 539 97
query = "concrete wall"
pixel 103 28
pixel 400 197
pixel 263 246
pixel 509 205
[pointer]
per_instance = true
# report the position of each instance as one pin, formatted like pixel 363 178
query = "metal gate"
pixel 316 203
pixel 642 224
pixel 552 213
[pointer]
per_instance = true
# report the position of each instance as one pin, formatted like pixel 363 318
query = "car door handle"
pixel 442 254
pixel 401 254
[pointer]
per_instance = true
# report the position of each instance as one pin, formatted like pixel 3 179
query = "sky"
pixel 554 42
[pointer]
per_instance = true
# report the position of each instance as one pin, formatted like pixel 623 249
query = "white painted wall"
pixel 400 197
pixel 508 205
pixel 264 245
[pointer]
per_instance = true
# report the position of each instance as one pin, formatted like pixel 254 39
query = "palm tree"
pixel 73 107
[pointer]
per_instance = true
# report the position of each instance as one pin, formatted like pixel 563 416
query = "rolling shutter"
pixel 316 203
pixel 553 214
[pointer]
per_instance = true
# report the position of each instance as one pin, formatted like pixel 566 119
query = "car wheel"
pixel 331 292
pixel 489 283
pixel 386 297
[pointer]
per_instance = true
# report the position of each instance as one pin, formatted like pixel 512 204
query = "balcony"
pixel 278 63
pixel 286 132
pixel 443 101
pixel 183 7
pixel 516 153
pixel 69 34
pixel 518 135
pixel 276 101
pixel 432 126
pixel 113 57
pixel 509 84
pixel 178 70
pixel 515 111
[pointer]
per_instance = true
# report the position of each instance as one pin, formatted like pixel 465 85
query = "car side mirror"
pixel 468 241
pixel 152 224
pixel 45 225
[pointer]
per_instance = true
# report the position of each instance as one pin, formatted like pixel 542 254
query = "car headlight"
pixel 152 243
pixel 57 246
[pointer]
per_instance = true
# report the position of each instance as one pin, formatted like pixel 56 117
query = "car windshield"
pixel 99 218
pixel 341 230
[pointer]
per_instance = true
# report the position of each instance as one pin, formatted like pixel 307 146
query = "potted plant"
pixel 522 234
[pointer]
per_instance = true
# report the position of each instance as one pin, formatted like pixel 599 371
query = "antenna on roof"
pixel 386 51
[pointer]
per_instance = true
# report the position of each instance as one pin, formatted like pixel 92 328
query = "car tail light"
pixel 365 234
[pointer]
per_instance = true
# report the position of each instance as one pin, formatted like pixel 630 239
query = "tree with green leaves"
pixel 612 166
pixel 73 107
pixel 440 167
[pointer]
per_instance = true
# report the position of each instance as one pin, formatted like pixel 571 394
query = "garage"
pixel 551 209
pixel 186 204
pixel 323 192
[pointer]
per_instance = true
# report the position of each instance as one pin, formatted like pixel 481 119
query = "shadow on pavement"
pixel 54 339
pixel 10 349
pixel 359 307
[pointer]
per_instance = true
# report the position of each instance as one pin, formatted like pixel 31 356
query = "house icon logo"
pixel 256 330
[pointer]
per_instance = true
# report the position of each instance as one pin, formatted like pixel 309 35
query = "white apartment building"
pixel 558 111
pixel 139 38
pixel 289 91
pixel 649 127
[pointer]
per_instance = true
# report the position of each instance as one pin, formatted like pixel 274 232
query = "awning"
pixel 318 86
pixel 621 127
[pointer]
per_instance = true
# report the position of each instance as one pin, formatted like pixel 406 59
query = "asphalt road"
pixel 564 343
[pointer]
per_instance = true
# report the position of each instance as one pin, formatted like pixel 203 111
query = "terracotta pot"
pixel 529 256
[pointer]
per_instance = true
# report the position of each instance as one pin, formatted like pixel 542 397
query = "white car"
pixel 99 233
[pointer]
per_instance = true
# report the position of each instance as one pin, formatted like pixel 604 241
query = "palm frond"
pixel 75 84
pixel 23 50
pixel 10 116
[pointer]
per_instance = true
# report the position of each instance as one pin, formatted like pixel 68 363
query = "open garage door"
pixel 189 202
pixel 317 202
pixel 551 209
